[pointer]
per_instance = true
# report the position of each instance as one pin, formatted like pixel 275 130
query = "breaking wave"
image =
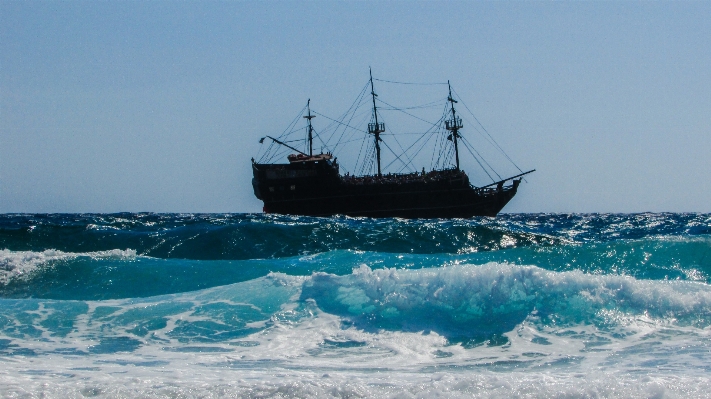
pixel 138 305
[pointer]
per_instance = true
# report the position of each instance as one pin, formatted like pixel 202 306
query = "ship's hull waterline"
pixel 318 190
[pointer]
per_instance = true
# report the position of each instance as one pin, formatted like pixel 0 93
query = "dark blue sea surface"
pixel 198 305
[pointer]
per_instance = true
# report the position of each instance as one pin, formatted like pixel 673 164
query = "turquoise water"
pixel 251 305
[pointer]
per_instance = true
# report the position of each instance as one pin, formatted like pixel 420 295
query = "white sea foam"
pixel 16 264
pixel 191 380
pixel 621 337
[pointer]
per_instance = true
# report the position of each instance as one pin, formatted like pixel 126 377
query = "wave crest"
pixel 16 264
pixel 474 301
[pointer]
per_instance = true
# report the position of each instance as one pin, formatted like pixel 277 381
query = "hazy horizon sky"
pixel 158 106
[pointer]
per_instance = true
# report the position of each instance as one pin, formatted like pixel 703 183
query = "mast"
pixel 311 129
pixel 375 128
pixel 453 125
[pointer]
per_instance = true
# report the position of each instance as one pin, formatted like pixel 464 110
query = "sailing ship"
pixel 312 185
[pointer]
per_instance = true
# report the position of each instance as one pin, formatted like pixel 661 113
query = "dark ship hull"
pixel 315 188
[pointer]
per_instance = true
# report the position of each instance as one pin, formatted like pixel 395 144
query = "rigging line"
pixel 334 126
pixel 422 135
pixel 440 142
pixel 403 134
pixel 340 129
pixel 404 153
pixel 439 148
pixel 318 136
pixel 482 126
pixel 276 154
pixel 479 131
pixel 292 141
pixel 489 139
pixel 339 122
pixel 467 143
pixel 368 161
pixel 364 167
pixel 351 110
pixel 432 161
pixel 409 83
pixel 477 161
pixel 361 161
pixel 445 156
pixel 447 150
pixel 412 145
pixel 426 133
pixel 442 151
pixel 438 164
pixel 448 157
pixel 424 143
pixel 493 145
pixel 298 116
pixel 359 164
pixel 396 156
pixel 441 158
pixel 271 153
pixel 428 105
pixel 355 166
pixel 469 147
pixel 406 113
pixel 267 154
pixel 409 163
pixel 289 133
pixel 263 156
pixel 350 123
pixel 397 109
pixel 329 126
pixel 350 134
pixel 352 140
pixel 324 145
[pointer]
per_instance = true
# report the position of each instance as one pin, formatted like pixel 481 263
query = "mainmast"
pixel 311 129
pixel 375 128
pixel 453 125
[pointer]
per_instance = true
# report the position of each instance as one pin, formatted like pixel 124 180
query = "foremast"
pixel 375 128
pixel 311 129
pixel 453 125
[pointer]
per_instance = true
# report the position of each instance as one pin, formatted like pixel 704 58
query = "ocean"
pixel 135 305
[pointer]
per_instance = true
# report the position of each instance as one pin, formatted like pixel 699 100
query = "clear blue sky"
pixel 159 106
